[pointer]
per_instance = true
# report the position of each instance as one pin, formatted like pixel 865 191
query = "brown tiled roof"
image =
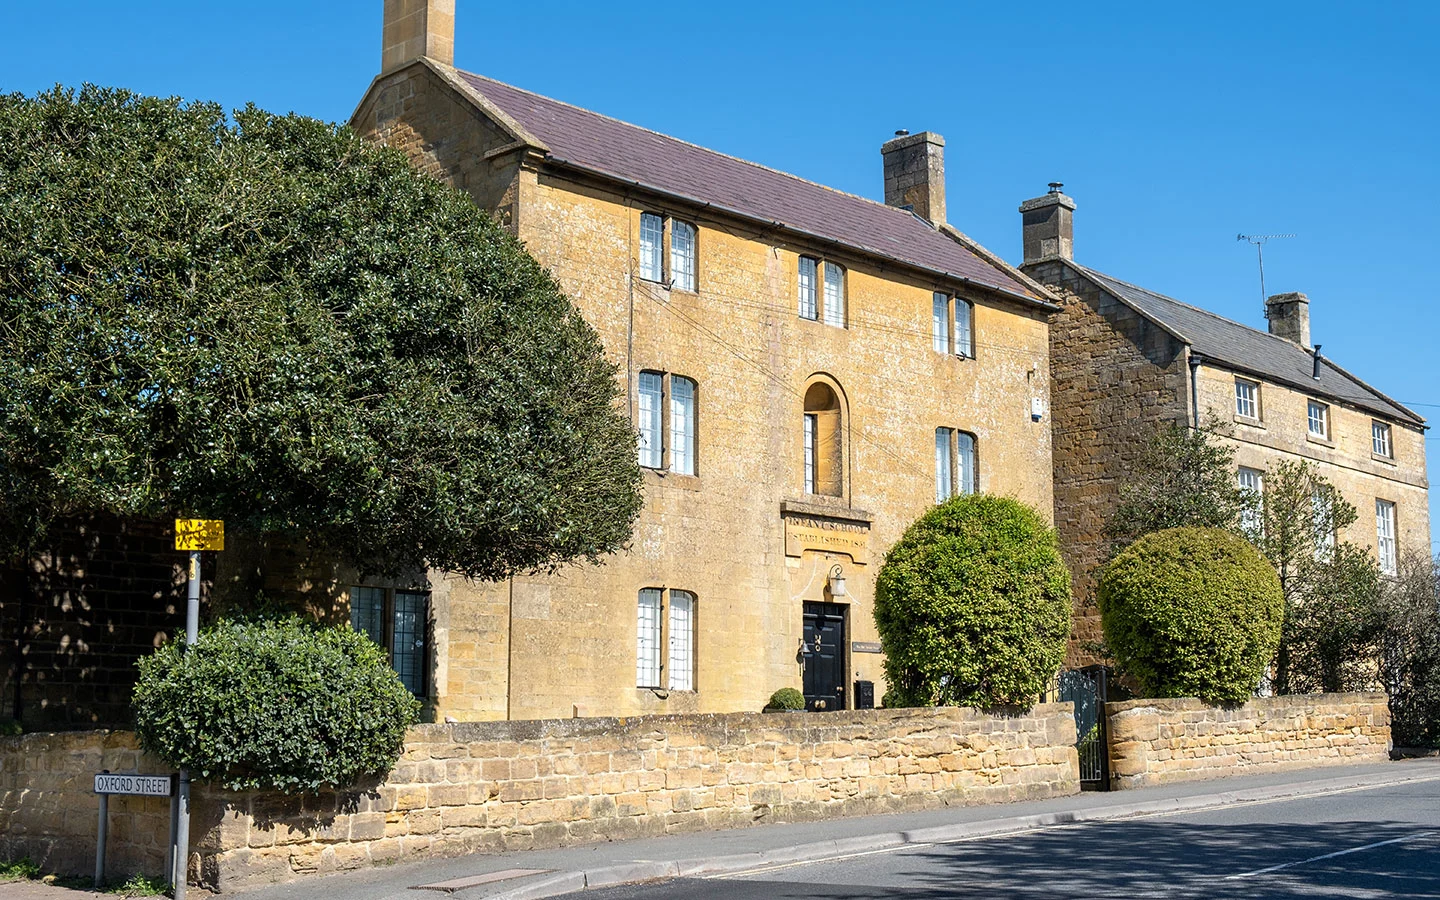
pixel 627 152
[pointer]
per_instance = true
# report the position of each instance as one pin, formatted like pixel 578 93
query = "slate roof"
pixel 1251 350
pixel 631 153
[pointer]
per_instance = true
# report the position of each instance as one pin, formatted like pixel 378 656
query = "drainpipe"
pixel 1195 361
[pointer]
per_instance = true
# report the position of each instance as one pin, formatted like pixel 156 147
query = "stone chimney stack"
pixel 415 29
pixel 1049 226
pixel 915 174
pixel 1289 316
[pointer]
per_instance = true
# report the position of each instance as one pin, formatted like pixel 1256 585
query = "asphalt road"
pixel 1378 843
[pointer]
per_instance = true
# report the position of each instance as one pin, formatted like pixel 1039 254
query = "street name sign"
pixel 136 785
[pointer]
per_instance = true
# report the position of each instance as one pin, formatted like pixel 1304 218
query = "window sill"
pixel 671 479
pixel 1381 458
pixel 1249 422
pixel 1322 441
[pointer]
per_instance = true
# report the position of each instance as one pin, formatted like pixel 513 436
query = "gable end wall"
pixel 1114 377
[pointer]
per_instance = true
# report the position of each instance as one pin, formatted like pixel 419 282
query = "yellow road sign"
pixel 199 534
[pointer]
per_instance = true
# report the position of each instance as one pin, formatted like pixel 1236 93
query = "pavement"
pixel 535 874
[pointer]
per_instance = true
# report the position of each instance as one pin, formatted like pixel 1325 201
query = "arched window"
pixel 824 442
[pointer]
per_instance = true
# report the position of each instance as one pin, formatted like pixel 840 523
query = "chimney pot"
pixel 1048 225
pixel 1289 316
pixel 417 28
pixel 915 174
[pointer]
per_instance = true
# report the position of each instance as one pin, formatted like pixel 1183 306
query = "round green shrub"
pixel 283 705
pixel 973 606
pixel 786 698
pixel 1192 612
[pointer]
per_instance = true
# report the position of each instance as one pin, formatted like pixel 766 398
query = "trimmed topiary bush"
pixel 1192 612
pixel 284 704
pixel 786 698
pixel 973 606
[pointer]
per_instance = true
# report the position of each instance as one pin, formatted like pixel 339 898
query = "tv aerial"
pixel 1259 241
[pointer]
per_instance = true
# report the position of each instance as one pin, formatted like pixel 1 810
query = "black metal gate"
pixel 1087 689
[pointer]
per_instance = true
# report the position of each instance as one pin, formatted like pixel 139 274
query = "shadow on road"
pixel 1173 859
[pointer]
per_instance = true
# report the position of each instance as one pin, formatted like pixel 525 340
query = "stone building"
pixel 1125 359
pixel 808 372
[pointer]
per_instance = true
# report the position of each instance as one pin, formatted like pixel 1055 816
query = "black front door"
pixel 824 654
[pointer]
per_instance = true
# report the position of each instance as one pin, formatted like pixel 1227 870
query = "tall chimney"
pixel 1049 226
pixel 915 174
pixel 1289 316
pixel 416 28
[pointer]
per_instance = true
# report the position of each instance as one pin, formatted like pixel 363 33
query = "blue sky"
pixel 1174 126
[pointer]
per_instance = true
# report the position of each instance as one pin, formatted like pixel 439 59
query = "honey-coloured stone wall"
pixel 475 787
pixel 1164 741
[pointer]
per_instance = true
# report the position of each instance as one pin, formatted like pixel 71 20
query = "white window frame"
pixel 683 255
pixel 1386 548
pixel 650 394
pixel 1381 439
pixel 952 325
pixel 682 425
pixel 666 258
pixel 1253 480
pixel 960 472
pixel 652 247
pixel 944 464
pixel 940 322
pixel 1247 397
pixel 833 311
pixel 665 618
pixel 964 328
pixel 667 418
pixel 681 641
pixel 966 459
pixel 1317 419
pixel 648 609
pixel 808 271
pixel 811 428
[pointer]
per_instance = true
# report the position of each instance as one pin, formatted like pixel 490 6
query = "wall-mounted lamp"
pixel 837 581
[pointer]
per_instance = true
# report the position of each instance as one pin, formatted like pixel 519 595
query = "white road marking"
pixel 1301 862
pixel 810 862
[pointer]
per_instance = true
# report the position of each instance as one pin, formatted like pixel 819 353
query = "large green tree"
pixel 1184 479
pixel 1333 613
pixel 266 319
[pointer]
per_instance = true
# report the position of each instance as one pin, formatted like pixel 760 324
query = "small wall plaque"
pixel 865 647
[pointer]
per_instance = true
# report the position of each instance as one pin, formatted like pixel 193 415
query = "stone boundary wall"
pixel 492 786
pixel 1165 741
pixel 48 810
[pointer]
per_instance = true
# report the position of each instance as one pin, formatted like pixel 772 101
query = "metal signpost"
pixel 194 535
pixel 107 785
